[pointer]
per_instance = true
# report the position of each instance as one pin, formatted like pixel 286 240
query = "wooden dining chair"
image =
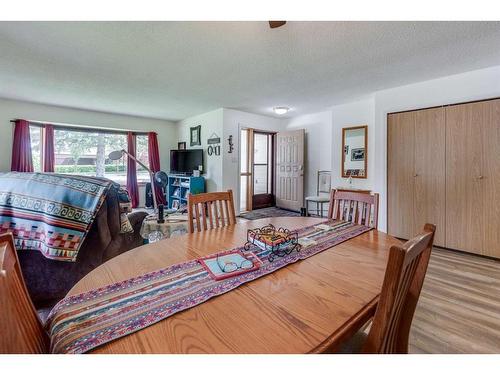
pixel 404 277
pixel 20 329
pixel 211 210
pixel 359 208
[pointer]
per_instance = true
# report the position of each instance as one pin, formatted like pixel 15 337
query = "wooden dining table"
pixel 305 307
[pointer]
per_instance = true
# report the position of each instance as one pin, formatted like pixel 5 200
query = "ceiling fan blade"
pixel 275 24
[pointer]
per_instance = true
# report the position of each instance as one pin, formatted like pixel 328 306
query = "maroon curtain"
pixel 154 163
pixel 132 187
pixel 48 149
pixel 21 148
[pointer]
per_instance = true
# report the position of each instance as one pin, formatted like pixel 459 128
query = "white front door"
pixel 290 170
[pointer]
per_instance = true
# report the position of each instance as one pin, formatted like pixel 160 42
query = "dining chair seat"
pixel 354 344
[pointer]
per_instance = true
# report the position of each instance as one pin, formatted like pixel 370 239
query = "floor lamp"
pixel 118 154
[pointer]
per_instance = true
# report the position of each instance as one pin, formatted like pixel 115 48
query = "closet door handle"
pixel 479 177
pixel 415 175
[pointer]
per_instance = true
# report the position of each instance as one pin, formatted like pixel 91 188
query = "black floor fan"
pixel 160 179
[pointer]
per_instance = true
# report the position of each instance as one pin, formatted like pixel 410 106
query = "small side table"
pixel 174 225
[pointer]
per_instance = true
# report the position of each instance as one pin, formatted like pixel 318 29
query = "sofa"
pixel 49 280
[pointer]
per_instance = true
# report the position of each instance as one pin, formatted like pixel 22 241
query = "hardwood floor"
pixel 459 308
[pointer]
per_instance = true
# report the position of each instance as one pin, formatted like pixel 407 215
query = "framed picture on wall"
pixel 195 135
pixel 181 145
pixel 358 154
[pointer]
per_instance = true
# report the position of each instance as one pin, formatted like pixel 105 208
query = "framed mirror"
pixel 355 152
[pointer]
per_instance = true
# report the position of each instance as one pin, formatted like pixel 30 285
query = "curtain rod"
pixel 83 128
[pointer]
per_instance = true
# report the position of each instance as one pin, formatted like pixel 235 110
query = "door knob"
pixel 415 175
pixel 479 177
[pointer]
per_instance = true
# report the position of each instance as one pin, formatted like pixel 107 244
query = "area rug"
pixel 263 213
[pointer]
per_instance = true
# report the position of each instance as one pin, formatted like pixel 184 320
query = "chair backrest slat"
pixel 197 217
pixel 354 211
pixel 361 213
pixel 216 214
pixel 203 209
pixel 206 205
pixel 20 329
pixel 226 205
pixel 354 207
pixel 221 211
pixel 404 277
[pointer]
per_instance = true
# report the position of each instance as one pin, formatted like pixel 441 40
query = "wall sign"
pixel 213 150
pixel 231 145
pixel 214 139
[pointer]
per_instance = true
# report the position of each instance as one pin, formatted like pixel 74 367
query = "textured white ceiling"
pixel 173 70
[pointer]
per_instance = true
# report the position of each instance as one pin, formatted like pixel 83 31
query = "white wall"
pixel 357 113
pixel 211 122
pixel 326 133
pixel 318 146
pixel 233 121
pixel 10 109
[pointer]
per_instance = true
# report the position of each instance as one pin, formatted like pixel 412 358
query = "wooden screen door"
pixel 262 170
pixel 290 170
pixel 257 169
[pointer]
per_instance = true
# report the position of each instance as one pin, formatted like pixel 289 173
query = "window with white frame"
pixel 85 152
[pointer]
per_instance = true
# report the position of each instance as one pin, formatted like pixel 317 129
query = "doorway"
pixel 256 169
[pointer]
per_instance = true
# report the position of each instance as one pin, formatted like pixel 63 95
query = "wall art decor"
pixel 214 139
pixel 195 135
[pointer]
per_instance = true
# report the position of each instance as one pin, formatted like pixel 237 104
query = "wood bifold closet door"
pixel 444 168
pixel 400 167
pixel 473 177
pixel 416 172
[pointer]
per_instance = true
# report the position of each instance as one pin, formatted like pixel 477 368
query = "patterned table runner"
pixel 82 322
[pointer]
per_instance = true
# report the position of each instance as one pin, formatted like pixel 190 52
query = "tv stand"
pixel 180 185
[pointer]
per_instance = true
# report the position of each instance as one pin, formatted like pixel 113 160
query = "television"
pixel 185 161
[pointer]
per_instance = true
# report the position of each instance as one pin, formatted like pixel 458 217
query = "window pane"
pixel 143 156
pixel 86 153
pixel 260 149
pixel 115 170
pixel 243 151
pixel 260 179
pixel 36 147
pixel 243 193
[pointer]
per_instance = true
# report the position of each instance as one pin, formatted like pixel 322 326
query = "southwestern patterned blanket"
pixel 48 212
pixel 82 322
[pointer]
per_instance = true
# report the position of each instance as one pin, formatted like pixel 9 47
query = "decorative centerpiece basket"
pixel 279 242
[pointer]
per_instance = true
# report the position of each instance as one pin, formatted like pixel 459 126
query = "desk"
pixel 304 307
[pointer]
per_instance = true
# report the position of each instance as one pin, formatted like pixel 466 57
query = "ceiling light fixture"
pixel 281 110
